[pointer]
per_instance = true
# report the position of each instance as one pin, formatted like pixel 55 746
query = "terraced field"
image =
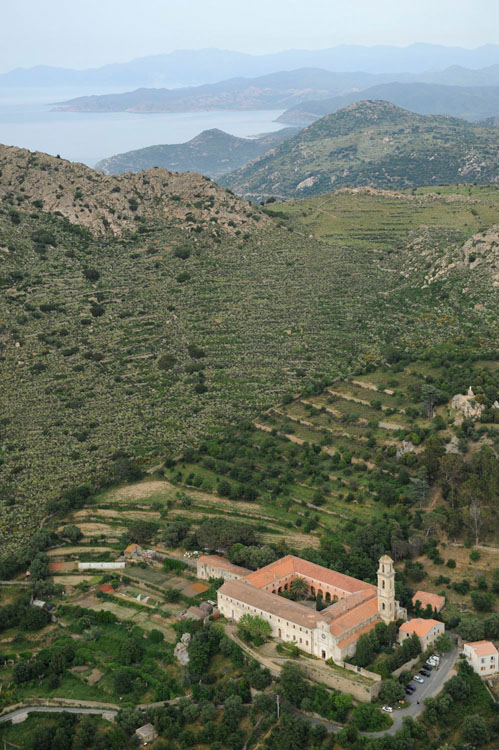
pixel 124 349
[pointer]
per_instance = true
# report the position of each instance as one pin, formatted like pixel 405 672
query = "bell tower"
pixel 386 589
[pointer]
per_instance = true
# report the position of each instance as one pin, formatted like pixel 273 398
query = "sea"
pixel 28 120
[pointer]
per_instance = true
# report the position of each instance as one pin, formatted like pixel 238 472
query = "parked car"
pixel 427 666
pixel 388 709
pixel 410 688
pixel 408 692
pixel 418 678
pixel 425 673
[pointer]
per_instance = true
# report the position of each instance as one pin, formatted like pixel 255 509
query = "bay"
pixel 27 121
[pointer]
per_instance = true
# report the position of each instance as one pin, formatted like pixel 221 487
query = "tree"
pixel 141 532
pixel 131 651
pixel 156 636
pixel 35 619
pixel 39 567
pixel 368 718
pixel 298 588
pixel 391 691
pixel 253 628
pixel 431 397
pixel 471 629
pixel 474 730
pixel 72 532
pixel 293 685
pixel 475 518
pixel 482 601
pixel 216 532
pixel 123 682
pixel 364 651
pixel 443 643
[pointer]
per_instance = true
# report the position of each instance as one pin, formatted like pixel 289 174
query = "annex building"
pixel 355 606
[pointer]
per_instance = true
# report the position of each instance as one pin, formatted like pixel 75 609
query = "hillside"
pixel 372 143
pixel 468 102
pixel 131 342
pixel 212 153
pixel 116 204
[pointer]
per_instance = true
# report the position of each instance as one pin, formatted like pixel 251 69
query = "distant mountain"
pixel 372 143
pixel 212 152
pixel 294 88
pixel 187 67
pixel 469 102
pixel 490 121
pixel 273 91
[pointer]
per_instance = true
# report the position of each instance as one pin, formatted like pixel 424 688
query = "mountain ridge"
pixel 467 102
pixel 183 66
pixel 118 203
pixel 372 143
pixel 212 152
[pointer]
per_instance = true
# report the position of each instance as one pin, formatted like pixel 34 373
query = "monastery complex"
pixel 355 606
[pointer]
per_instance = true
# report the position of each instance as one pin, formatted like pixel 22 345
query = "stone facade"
pixel 215 566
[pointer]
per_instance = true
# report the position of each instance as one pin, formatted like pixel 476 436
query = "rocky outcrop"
pixel 468 407
pixel 181 651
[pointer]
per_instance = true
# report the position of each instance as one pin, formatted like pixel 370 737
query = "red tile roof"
pixel 424 598
pixel 482 648
pixel 272 603
pixel 221 562
pixel 356 635
pixel 355 617
pixel 291 565
pixel 419 626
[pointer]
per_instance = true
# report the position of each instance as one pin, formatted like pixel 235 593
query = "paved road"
pixel 57 709
pixel 431 687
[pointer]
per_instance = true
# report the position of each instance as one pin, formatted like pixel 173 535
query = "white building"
pixel 215 566
pixel 355 606
pixel 483 657
pixel 426 630
pixel 101 565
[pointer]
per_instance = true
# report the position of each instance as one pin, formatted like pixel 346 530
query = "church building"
pixel 354 608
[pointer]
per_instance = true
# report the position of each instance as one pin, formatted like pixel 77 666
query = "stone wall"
pixel 333 678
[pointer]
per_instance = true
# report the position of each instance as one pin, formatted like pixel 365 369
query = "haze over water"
pixel 26 120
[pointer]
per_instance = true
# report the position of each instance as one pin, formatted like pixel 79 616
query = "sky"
pixel 88 33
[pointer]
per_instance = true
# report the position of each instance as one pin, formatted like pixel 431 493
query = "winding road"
pixel 431 687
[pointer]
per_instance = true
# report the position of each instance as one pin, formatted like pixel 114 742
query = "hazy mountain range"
pixel 291 89
pixel 469 102
pixel 187 67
